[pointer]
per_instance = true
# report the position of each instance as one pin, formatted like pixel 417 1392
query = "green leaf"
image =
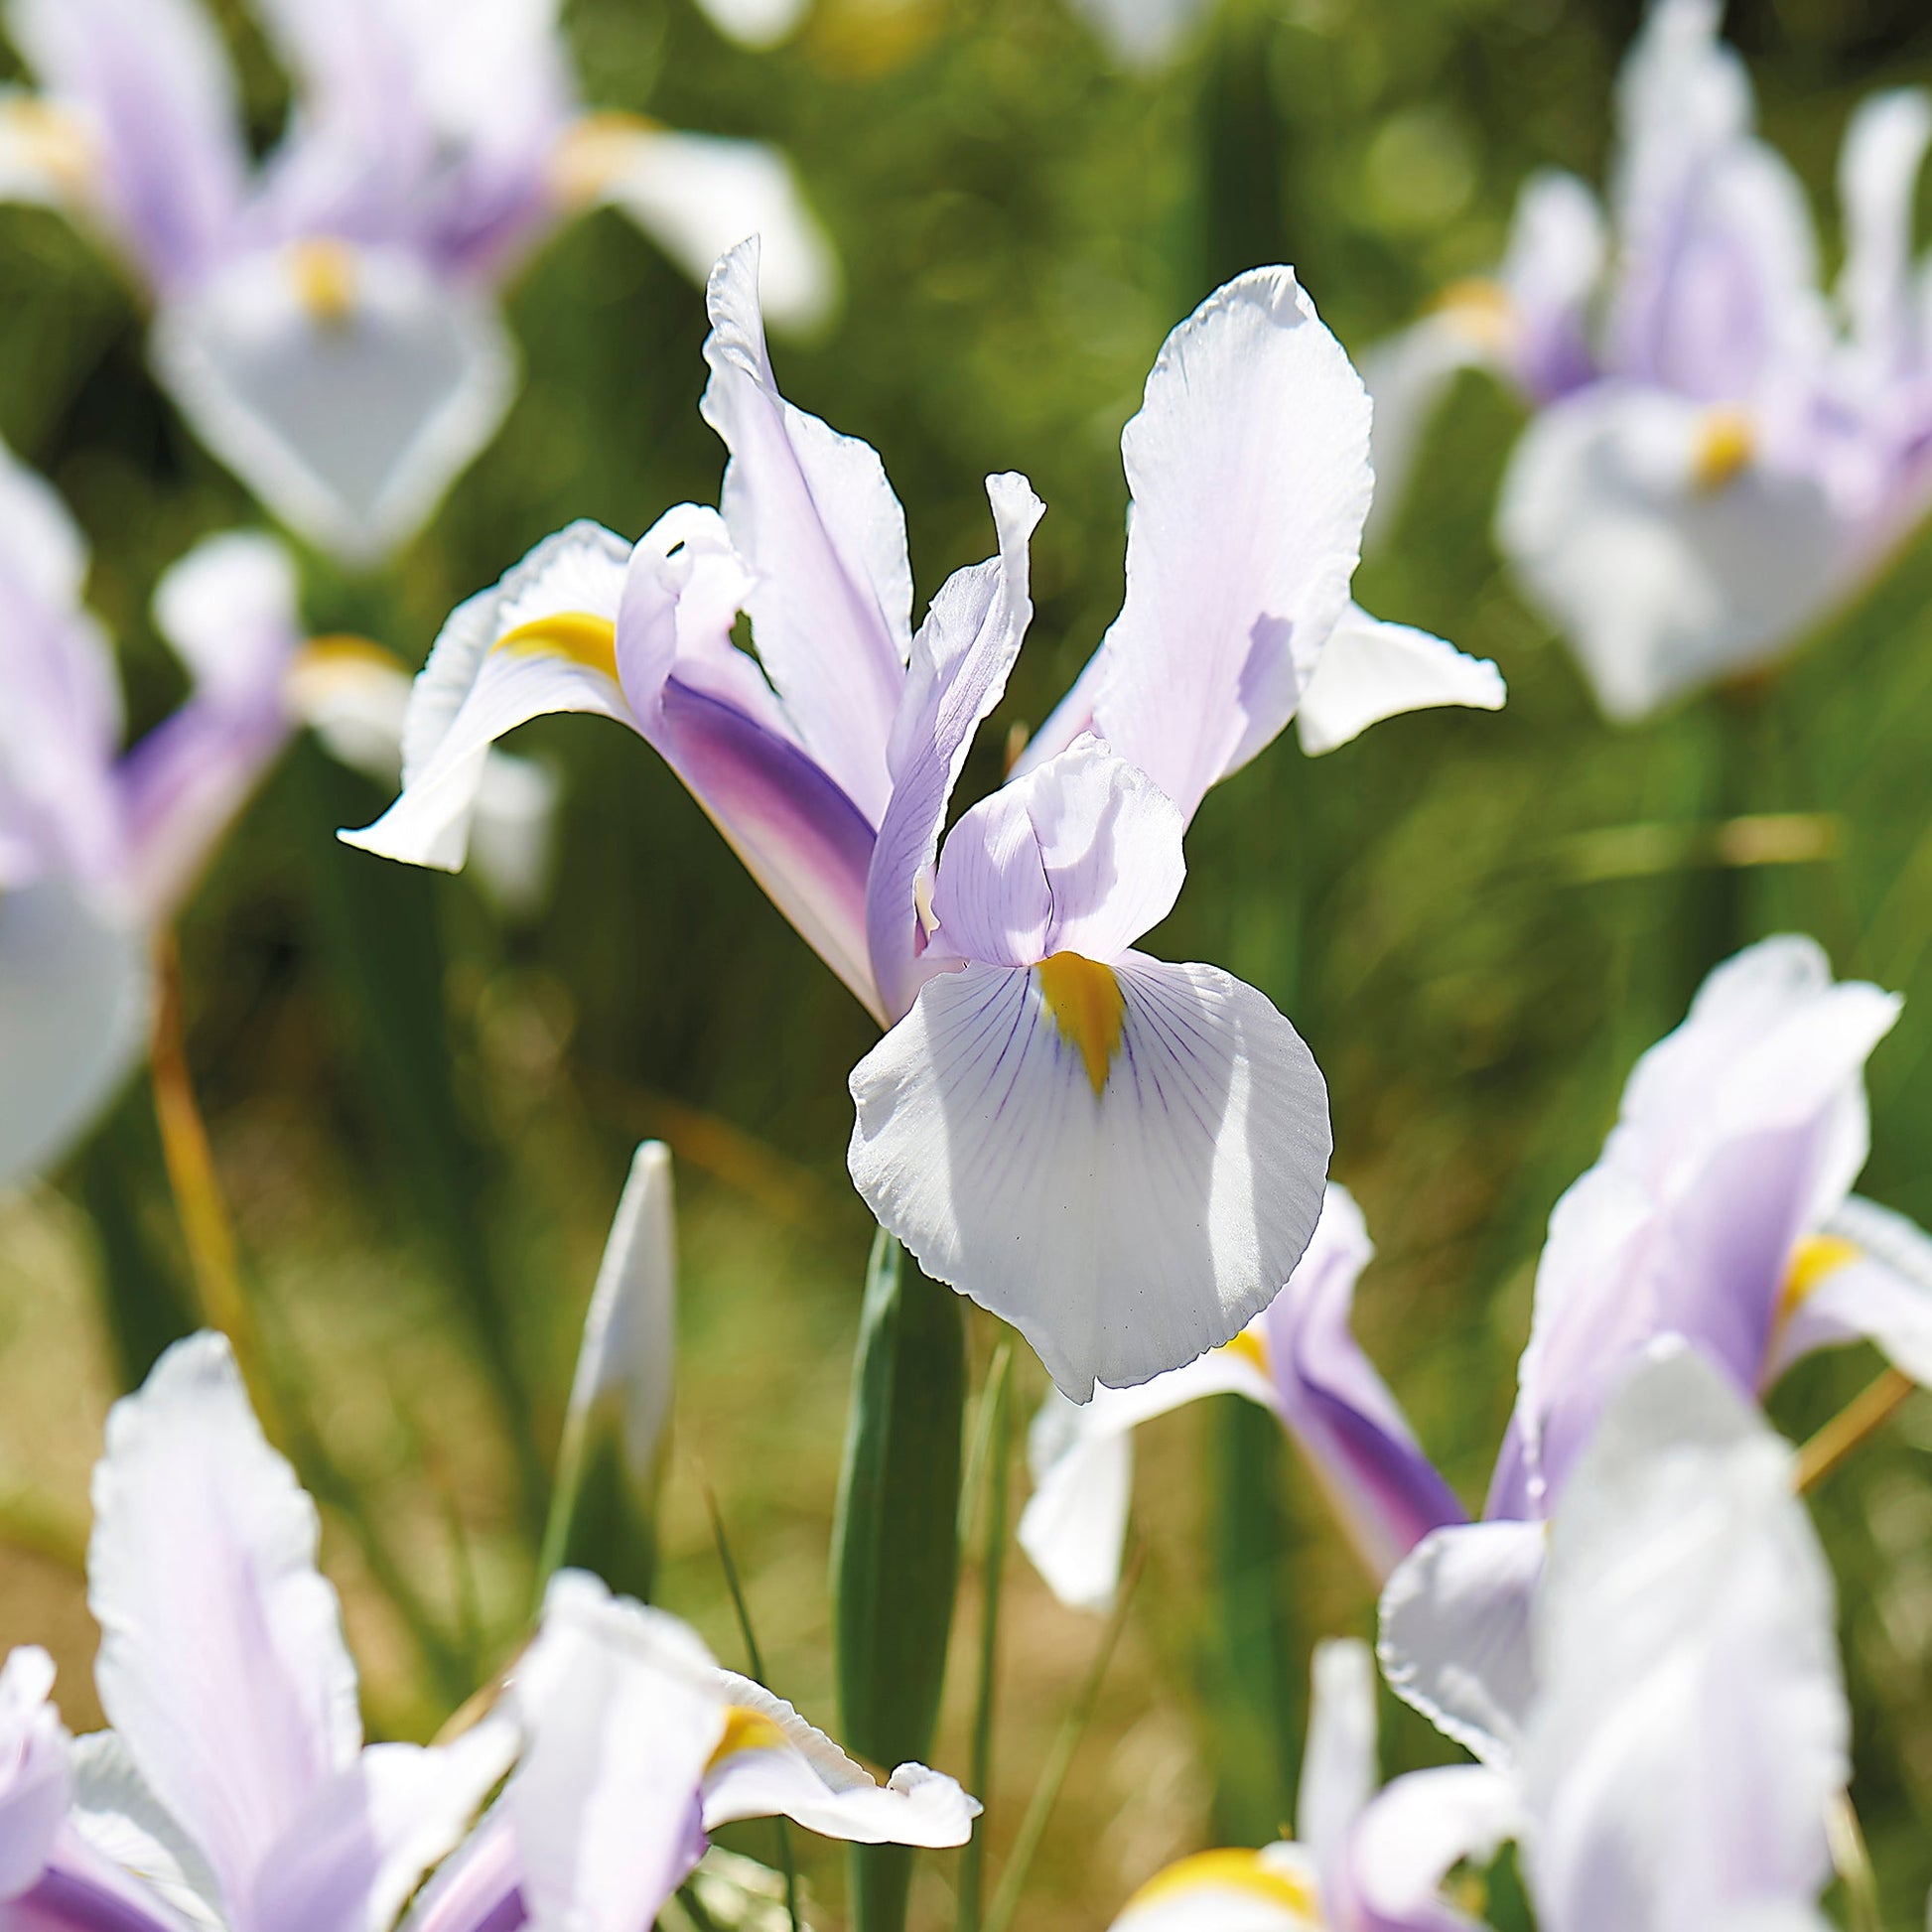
pixel 894 1543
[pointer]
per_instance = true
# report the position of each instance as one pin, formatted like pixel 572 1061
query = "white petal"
pixel 1082 1462
pixel 1455 1633
pixel 75 994
pixel 38 539
pixel 360 1850
pixel 1370 670
pixel 700 194
pixel 1338 1766
pixel 1877 183
pixel 1661 583
pixel 774 1763
pixel 470 693
pixel 36 1770
pixel 347 388
pixel 514 833
pixel 754 23
pixel 221 1662
pixel 1122 1230
pixel 1248 463
pixel 1390 1873
pixel 231 610
pixel 1408 376
pixel 120 1819
pixel 624 1365
pixel 625 1708
pixel 1691 1725
pixel 811 512
pixel 1142 33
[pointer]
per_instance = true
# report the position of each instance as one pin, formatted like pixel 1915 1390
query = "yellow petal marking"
pixel 1482 310
pixel 593 152
pixel 327 275
pixel 56 142
pixel 746 1730
pixel 1231 1871
pixel 1251 1347
pixel 1086 1000
pixel 1815 1256
pixel 328 663
pixel 591 641
pixel 1725 445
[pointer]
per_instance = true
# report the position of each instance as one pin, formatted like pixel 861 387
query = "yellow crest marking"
pixel 1815 1256
pixel 746 1730
pixel 1725 445
pixel 1231 1871
pixel 592 152
pixel 1482 308
pixel 1085 1001
pixel 1251 1347
pixel 56 141
pixel 326 276
pixel 591 641
pixel 341 647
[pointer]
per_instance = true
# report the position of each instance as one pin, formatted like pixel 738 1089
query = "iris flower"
pixel 99 844
pixel 1721 1212
pixel 234 1793
pixel 328 320
pixel 1122 1157
pixel 1721 453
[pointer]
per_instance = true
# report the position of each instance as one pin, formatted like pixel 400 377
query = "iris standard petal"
pixel 706 709
pixel 1338 1763
pixel 36 1777
pixel 1386 1493
pixel 1126 1167
pixel 1248 466
pixel 221 1662
pixel 362 1844
pixel 1081 856
pixel 1390 1873
pixel 541 639
pixel 812 514
pixel 75 994
pixel 162 161
pixel 1668 557
pixel 699 195
pixel 959 670
pixel 1081 1458
pixel 1878 184
pixel 623 1709
pixel 1455 1633
pixel 1690 1728
pixel 772 1763
pixel 346 386
pixel 1370 670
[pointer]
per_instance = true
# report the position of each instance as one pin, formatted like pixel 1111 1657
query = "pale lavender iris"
pixel 327 320
pixel 234 1792
pixel 1121 1156
pixel 1721 452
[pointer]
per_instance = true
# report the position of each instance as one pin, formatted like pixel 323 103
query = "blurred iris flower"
pixel 1721 1212
pixel 1664 1737
pixel 328 320
pixel 99 846
pixel 1721 453
pixel 234 1790
pixel 1316 1879
pixel 1120 1157
pixel 1668 1724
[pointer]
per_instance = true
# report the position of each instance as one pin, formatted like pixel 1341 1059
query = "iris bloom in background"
pixel 234 1790
pixel 1122 1157
pixel 99 846
pixel 1720 1213
pixel 1721 453
pixel 1351 1866
pixel 328 320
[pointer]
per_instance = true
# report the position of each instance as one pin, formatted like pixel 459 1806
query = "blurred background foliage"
pixel 1477 921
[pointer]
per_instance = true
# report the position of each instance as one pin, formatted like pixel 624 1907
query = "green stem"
pixel 997 1412
pixel 1040 1810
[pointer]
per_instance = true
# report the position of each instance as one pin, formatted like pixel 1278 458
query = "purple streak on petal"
pixel 479 1888
pixel 1386 1491
pixel 80 1892
pixel 1551 272
pixel 1510 1499
pixel 959 666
